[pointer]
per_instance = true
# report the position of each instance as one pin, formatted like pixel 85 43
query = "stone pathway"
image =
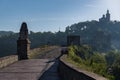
pixel 33 69
pixel 52 72
pixel 24 70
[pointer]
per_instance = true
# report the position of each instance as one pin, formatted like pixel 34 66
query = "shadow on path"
pixel 52 72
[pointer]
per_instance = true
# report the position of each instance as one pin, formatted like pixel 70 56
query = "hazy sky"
pixel 49 15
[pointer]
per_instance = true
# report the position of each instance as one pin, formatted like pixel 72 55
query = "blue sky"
pixel 50 15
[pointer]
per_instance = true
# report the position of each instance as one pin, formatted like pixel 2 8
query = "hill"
pixel 6 33
pixel 102 36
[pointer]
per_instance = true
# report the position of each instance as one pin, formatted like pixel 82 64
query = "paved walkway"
pixel 33 69
pixel 25 70
pixel 52 72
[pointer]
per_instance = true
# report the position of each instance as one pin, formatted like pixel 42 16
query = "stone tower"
pixel 23 43
pixel 107 16
pixel 73 40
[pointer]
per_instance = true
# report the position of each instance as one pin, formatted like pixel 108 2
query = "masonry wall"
pixel 7 60
pixel 68 71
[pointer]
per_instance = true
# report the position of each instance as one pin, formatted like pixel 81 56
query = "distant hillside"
pixel 102 36
pixel 6 33
pixel 97 34
pixel 8 44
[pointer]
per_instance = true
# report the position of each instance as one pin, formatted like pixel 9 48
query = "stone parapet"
pixel 7 60
pixel 69 71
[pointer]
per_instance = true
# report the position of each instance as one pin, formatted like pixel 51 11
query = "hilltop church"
pixel 105 18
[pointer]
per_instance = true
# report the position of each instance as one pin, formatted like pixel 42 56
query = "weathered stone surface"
pixel 24 70
pixel 70 72
pixel 52 72
pixel 5 61
pixel 23 43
